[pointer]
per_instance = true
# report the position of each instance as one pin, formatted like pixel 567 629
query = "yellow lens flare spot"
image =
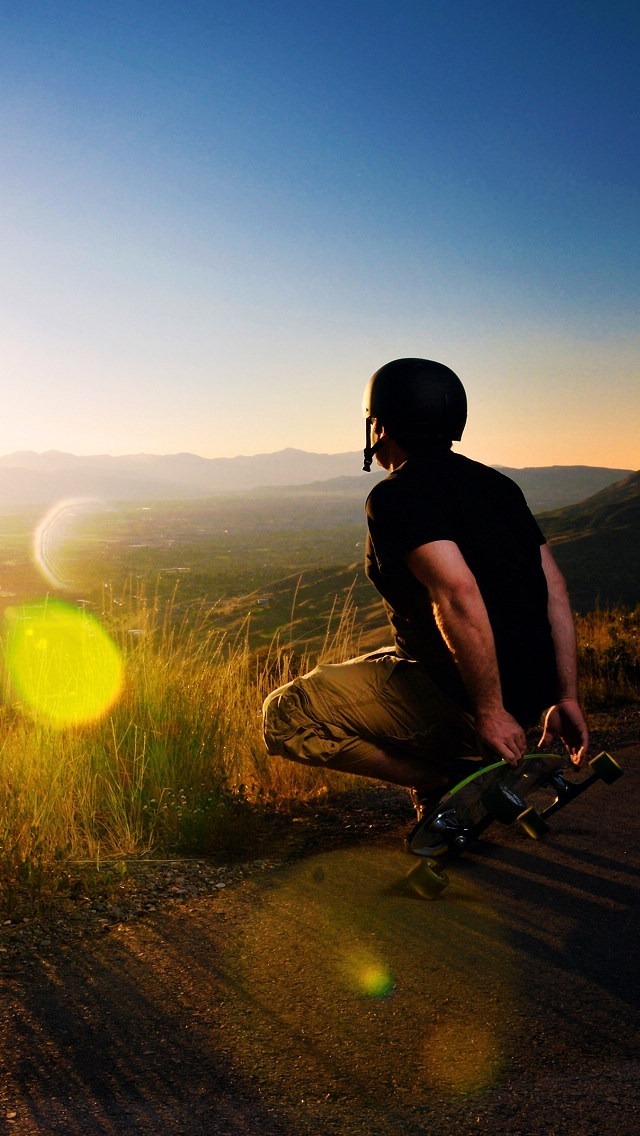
pixel 368 976
pixel 62 662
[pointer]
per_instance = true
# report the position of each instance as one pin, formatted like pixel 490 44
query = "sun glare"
pixel 61 662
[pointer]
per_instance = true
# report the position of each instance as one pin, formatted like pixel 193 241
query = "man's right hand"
pixel 500 736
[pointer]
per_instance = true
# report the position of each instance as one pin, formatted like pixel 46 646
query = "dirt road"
pixel 321 997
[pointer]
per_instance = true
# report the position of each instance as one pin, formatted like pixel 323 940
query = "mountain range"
pixel 32 479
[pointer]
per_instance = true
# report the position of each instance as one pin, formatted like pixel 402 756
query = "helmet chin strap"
pixel 369 450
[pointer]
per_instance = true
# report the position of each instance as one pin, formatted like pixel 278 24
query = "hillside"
pixel 597 544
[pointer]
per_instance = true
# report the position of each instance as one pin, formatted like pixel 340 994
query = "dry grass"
pixel 172 762
pixel 181 753
pixel 609 655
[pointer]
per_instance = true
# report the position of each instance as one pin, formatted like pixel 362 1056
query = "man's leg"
pixel 376 716
pixel 409 771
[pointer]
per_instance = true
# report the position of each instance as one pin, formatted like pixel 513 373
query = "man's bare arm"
pixel 565 719
pixel 464 624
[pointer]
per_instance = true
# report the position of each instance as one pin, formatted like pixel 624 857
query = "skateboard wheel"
pixel 427 881
pixel 502 803
pixel 606 768
pixel 533 823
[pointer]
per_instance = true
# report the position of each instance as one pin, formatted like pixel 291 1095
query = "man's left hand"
pixel 565 720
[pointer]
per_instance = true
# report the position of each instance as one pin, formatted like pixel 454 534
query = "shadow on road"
pixel 323 997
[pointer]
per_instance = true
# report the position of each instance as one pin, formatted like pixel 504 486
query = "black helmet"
pixel 418 401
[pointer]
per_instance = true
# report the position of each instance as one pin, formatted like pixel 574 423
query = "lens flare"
pixel 62 662
pixel 315 960
pixel 56 537
pixel 375 981
pixel 367 975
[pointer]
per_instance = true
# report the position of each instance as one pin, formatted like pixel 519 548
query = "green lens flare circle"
pixel 375 981
pixel 62 662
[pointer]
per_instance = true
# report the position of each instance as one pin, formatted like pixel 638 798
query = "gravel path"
pixel 310 993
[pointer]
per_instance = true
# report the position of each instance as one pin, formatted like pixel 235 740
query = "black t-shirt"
pixel 445 496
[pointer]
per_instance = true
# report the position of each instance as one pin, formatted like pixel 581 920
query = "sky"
pixel 217 219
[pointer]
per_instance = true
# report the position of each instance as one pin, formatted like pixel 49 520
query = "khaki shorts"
pixel 343 713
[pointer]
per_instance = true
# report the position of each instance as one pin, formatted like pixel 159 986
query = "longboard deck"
pixel 462 810
pixel 498 792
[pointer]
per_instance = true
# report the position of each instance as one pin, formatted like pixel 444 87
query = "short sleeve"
pixel 399 521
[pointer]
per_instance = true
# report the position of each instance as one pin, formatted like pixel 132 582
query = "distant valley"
pixel 285 555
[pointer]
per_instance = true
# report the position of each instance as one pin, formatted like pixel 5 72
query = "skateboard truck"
pixel 603 768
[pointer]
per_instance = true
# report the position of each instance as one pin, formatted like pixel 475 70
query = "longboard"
pixel 498 792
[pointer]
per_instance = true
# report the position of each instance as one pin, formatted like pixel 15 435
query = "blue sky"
pixel 218 219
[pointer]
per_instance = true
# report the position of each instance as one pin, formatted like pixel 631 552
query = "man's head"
pixel 415 402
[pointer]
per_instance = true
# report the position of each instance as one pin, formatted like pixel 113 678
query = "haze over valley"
pixel 28 478
pixel 283 556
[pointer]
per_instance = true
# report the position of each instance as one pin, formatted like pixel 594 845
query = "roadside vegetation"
pixel 177 766
pixel 609 650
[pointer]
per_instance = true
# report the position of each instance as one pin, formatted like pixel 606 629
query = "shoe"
pixel 433 839
pixel 426 801
pixel 437 827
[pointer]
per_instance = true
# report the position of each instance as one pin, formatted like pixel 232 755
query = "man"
pixel 484 635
